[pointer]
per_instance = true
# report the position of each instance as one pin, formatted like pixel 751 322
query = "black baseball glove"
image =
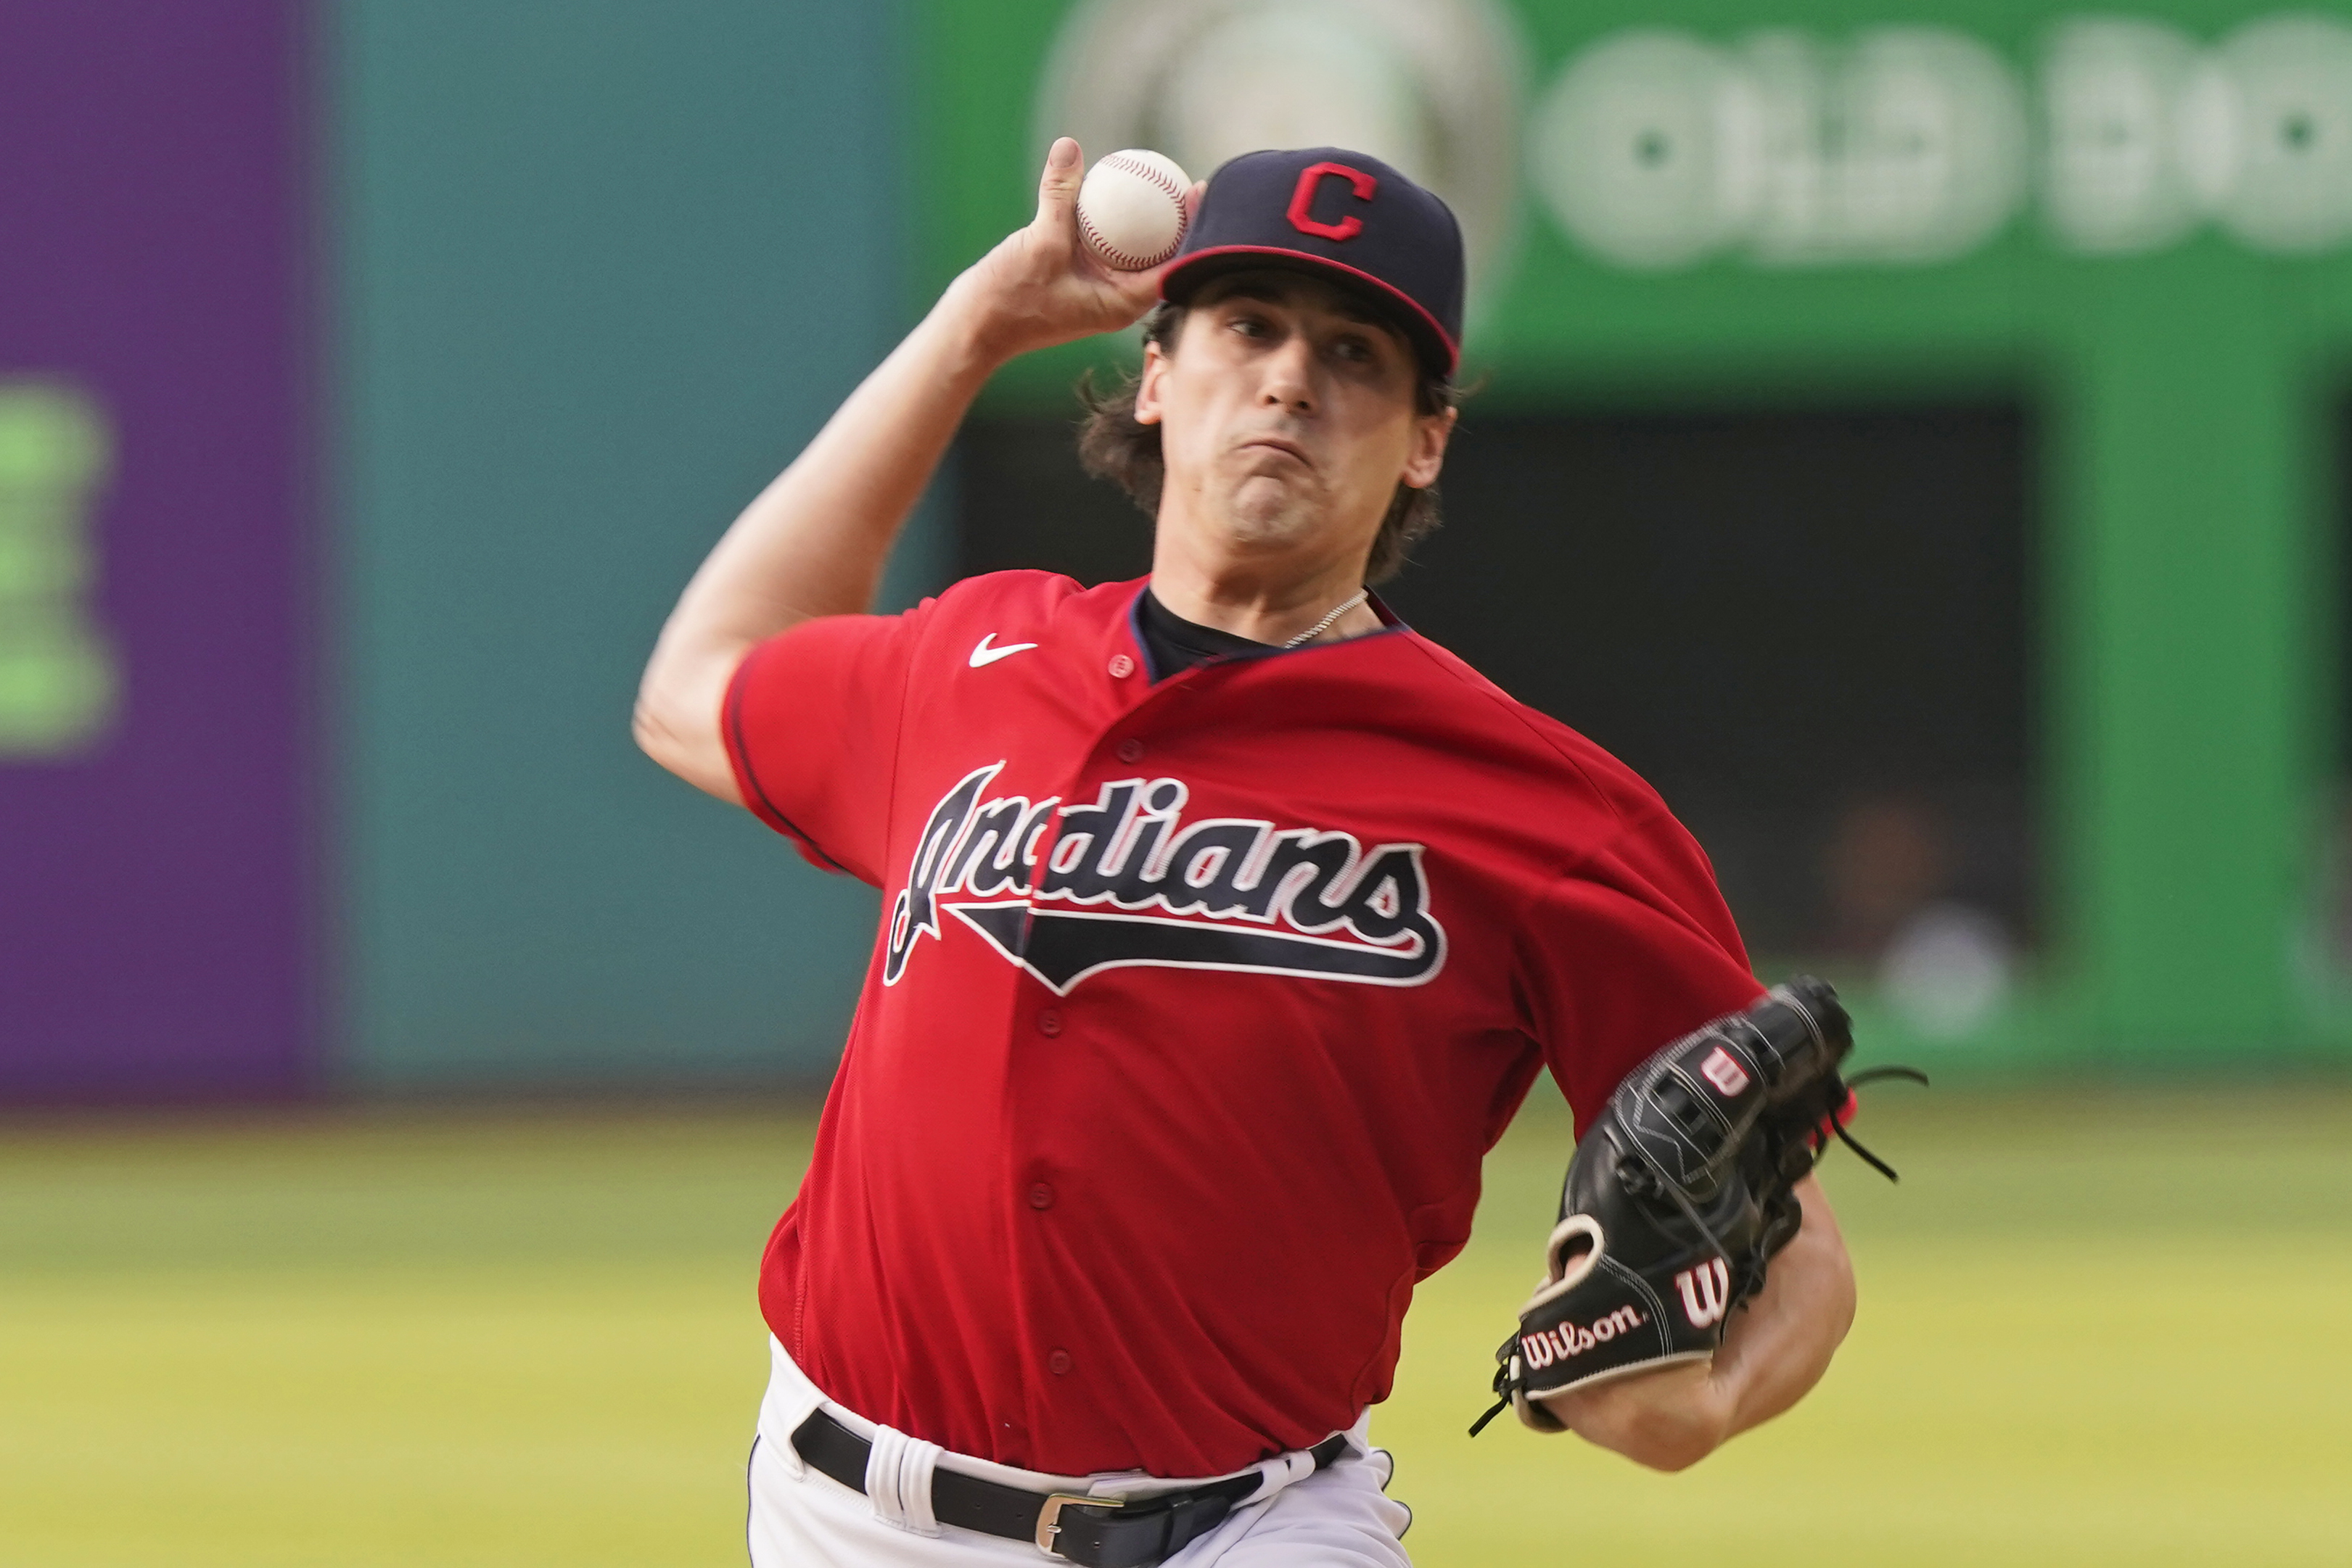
pixel 1679 1196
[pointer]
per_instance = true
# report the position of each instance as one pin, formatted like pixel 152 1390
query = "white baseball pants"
pixel 801 1518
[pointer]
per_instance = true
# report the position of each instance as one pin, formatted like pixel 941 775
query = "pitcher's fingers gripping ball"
pixel 1680 1194
pixel 1132 210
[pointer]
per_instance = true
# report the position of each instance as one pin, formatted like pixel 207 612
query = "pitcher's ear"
pixel 1431 433
pixel 1147 386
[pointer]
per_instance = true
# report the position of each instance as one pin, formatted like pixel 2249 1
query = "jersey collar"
pixel 1390 623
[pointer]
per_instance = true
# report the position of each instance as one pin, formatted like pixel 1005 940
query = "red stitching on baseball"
pixel 1155 176
pixel 1102 247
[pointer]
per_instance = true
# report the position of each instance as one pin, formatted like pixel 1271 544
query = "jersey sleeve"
pixel 812 726
pixel 1633 949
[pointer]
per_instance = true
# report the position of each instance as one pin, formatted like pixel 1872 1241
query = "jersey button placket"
pixel 1049 1022
pixel 1041 1196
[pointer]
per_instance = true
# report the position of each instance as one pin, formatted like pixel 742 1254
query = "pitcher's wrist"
pixel 970 335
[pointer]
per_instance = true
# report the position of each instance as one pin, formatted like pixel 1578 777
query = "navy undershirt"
pixel 1176 644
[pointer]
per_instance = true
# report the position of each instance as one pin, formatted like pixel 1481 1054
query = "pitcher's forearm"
pixel 1778 1347
pixel 815 541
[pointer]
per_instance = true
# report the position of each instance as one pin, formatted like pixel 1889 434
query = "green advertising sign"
pixel 2140 225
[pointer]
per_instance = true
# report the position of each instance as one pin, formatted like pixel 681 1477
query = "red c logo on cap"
pixel 1302 201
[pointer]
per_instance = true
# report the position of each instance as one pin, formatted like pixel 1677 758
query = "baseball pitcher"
pixel 1226 922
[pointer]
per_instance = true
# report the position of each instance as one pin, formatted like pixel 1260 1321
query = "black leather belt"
pixel 1094 1531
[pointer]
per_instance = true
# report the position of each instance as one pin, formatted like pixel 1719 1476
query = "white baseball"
pixel 1131 209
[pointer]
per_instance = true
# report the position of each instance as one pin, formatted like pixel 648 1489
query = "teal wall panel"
pixel 603 266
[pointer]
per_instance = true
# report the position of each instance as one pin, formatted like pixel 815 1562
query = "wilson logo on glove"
pixel 1683 1190
pixel 1547 1345
pixel 1723 1072
pixel 1705 1292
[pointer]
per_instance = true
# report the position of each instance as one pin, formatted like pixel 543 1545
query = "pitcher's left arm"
pixel 1775 1348
pixel 1696 1284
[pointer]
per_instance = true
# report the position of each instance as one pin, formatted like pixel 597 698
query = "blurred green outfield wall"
pixel 2142 233
pixel 601 267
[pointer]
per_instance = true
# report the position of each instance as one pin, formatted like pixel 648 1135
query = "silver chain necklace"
pixel 1325 624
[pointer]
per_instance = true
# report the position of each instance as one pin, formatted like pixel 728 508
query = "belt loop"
pixel 1277 1473
pixel 899 1480
pixel 790 1399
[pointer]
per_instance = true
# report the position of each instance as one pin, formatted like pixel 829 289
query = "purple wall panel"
pixel 155 912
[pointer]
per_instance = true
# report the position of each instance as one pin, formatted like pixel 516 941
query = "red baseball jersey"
pixel 1193 1007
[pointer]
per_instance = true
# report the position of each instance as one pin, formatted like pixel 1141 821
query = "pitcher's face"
pixel 1287 415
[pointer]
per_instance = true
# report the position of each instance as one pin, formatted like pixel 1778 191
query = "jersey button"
pixel 1060 1363
pixel 1041 1198
pixel 1049 1022
pixel 1130 751
pixel 1121 666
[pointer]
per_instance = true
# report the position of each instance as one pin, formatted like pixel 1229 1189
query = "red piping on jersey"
pixel 1452 352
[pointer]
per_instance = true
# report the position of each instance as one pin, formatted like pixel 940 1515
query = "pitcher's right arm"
pixel 813 542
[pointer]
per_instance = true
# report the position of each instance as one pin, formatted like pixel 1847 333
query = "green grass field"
pixel 2096 1328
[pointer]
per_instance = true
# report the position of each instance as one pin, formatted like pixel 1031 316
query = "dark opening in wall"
pixel 1810 629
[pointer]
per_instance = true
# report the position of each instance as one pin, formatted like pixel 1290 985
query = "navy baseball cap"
pixel 1329 210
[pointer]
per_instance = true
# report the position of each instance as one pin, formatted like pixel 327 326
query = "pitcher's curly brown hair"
pixel 1112 446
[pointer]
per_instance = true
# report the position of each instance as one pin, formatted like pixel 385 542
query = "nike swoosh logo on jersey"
pixel 982 653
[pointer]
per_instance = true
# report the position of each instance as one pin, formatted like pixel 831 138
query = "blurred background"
pixel 1914 438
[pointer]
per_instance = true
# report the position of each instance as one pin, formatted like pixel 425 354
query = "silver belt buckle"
pixel 1049 1517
